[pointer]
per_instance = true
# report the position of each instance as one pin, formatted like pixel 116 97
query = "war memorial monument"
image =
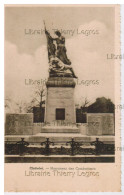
pixel 59 138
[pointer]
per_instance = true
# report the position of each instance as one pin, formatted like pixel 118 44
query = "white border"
pixel 2 2
pixel 122 93
pixel 63 2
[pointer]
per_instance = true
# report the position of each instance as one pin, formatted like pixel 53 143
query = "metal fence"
pixel 48 147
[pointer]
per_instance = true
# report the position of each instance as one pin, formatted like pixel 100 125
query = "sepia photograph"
pixel 62 93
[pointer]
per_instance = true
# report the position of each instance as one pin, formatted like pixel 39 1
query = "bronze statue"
pixel 60 65
pixel 61 50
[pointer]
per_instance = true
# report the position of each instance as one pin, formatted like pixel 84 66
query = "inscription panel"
pixel 19 124
pixel 100 124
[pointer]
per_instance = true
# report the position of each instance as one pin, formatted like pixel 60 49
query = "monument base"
pixel 60 129
pixel 60 105
pixel 59 138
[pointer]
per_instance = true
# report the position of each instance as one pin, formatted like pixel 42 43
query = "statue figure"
pixel 61 50
pixel 50 45
pixel 56 65
pixel 59 64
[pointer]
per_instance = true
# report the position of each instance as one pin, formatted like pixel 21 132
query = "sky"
pixel 89 33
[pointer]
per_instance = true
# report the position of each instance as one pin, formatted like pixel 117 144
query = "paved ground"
pixel 60 159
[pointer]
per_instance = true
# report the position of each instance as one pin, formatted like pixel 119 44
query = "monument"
pixel 59 133
pixel 100 124
pixel 60 116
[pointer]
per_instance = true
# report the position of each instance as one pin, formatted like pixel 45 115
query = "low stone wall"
pixel 19 124
pixel 100 124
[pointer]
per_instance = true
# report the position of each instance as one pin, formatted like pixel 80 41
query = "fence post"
pixel 47 144
pixel 21 146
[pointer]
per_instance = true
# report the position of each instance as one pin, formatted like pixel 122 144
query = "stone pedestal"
pixel 60 106
pixel 60 100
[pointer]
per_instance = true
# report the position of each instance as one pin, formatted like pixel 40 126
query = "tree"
pixel 101 105
pixel 17 106
pixel 84 105
pixel 38 99
pixel 82 110
pixel 7 103
pixel 21 106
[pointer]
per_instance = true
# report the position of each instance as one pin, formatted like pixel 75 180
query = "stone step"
pixel 60 129
pixel 59 138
